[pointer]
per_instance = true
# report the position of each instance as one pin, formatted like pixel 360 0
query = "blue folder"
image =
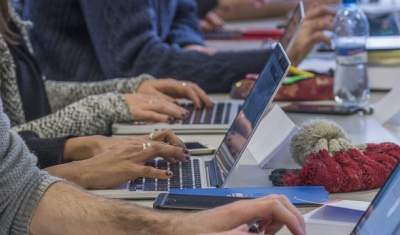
pixel 298 195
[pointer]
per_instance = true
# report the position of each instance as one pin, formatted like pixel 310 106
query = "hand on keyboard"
pixel 126 161
pixel 154 108
pixel 171 89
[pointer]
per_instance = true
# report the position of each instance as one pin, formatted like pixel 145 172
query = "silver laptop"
pixel 383 215
pixel 214 171
pixel 219 118
pixel 293 27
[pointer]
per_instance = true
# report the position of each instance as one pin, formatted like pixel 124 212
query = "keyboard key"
pixel 219 113
pixel 227 112
pixel 182 176
pixel 198 113
pixel 208 115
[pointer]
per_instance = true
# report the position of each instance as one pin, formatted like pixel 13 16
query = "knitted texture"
pixel 21 183
pixel 91 40
pixel 328 158
pixel 62 94
pixel 8 86
pixel 90 116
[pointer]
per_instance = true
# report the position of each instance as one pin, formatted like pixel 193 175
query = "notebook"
pixel 214 171
pixel 219 118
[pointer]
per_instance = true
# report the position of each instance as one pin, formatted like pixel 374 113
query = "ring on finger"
pixel 151 135
pixel 152 101
pixel 184 83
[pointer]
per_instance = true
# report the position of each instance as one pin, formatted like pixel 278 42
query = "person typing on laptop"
pixel 131 37
pixel 33 202
pixel 54 109
pixel 99 162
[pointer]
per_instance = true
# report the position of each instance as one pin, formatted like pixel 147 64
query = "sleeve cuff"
pixel 25 212
pixel 50 151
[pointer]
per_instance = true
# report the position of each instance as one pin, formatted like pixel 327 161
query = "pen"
pixel 294 70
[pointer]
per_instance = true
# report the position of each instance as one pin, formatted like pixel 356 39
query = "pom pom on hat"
pixel 328 158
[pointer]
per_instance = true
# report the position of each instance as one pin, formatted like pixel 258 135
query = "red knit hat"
pixel 328 158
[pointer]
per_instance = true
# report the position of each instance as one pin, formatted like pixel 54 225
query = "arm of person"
pixel 94 115
pixel 185 28
pixel 318 19
pixel 120 165
pixel 89 116
pixel 21 182
pixel 41 207
pixel 49 152
pixel 62 94
pixel 232 10
pixel 125 38
pixel 243 11
pixel 64 210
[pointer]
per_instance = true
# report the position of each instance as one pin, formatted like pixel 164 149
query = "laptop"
pixel 292 27
pixel 214 171
pixel 383 215
pixel 219 118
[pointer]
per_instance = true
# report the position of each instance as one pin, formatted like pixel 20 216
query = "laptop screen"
pixel 383 215
pixel 293 26
pixel 264 89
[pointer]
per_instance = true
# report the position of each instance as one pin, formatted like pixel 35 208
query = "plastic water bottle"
pixel 351 30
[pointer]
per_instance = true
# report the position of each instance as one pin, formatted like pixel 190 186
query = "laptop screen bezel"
pixel 381 190
pixel 221 182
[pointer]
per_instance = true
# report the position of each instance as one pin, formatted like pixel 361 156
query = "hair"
pixel 5 18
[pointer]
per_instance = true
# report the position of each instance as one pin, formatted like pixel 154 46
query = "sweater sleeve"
pixel 124 36
pixel 61 94
pixel 22 184
pixel 89 116
pixel 49 151
pixel 185 29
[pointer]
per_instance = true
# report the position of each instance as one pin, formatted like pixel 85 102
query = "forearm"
pixel 90 116
pixel 72 172
pixel 21 182
pixel 62 94
pixel 65 210
pixel 249 12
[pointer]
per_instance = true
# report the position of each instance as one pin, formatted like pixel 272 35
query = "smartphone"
pixel 167 201
pixel 197 148
pixel 330 109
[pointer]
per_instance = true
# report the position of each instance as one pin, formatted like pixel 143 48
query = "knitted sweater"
pixel 21 183
pixel 78 108
pixel 90 40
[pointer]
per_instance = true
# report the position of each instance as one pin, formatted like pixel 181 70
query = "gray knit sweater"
pixel 21 182
pixel 77 108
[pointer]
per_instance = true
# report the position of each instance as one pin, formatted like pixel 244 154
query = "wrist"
pixel 140 80
pixel 79 148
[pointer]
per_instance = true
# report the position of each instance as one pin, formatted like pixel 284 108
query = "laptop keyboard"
pixel 185 175
pixel 218 114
